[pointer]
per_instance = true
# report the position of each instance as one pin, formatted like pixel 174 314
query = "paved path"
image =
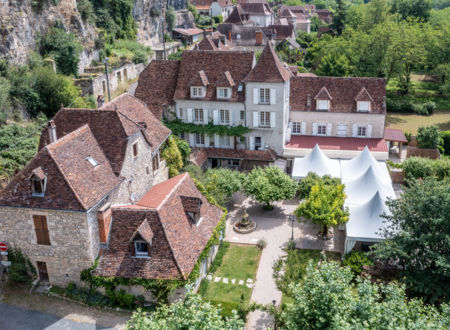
pixel 16 318
pixel 275 228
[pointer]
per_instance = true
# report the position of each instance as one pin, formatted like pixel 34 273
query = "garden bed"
pixel 240 262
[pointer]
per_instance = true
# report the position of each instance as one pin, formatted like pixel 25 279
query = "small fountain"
pixel 244 225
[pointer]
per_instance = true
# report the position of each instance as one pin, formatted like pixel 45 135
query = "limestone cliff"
pixel 21 25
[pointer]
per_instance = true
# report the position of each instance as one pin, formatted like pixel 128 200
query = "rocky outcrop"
pixel 147 14
pixel 21 25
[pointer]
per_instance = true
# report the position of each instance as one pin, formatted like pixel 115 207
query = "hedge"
pixel 445 135
pixel 418 167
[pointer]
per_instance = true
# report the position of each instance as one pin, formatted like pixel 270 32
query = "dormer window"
pixel 192 206
pixel 38 181
pixel 197 92
pixel 141 241
pixel 363 106
pixel 323 105
pixel 223 93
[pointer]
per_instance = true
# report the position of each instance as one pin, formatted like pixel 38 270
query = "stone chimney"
pixel 259 37
pixel 52 131
pixel 229 35
pixel 308 101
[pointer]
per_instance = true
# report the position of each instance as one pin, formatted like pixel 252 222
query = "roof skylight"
pixel 92 161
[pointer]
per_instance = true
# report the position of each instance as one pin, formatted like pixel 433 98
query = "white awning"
pixel 316 162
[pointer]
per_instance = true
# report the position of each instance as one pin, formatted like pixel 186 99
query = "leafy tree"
pixel 305 185
pixel 269 185
pixel 21 269
pixel 170 17
pixel 116 17
pixel 65 49
pixel 316 23
pixel 417 238
pixel 173 157
pixel 333 65
pixel 193 10
pixel 327 299
pixel 184 149
pixel 339 17
pixel 222 183
pixel 86 10
pixel 376 12
pixel 428 137
pixel 412 8
pixel 5 88
pixel 190 313
pixel 324 206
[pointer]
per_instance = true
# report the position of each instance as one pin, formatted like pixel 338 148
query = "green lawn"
pixel 239 262
pixel 411 122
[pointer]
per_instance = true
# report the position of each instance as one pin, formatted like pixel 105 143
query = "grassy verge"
pixel 239 262
pixel 411 122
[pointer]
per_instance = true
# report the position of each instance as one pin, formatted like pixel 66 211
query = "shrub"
pixel 421 168
pixel 86 10
pixel 356 260
pixel 21 269
pixel 170 17
pixel 405 106
pixel 428 137
pixel 261 244
pixel 291 245
pixel 445 135
pixel 218 19
pixel 430 107
pixel 173 157
pixel 419 110
pixel 184 148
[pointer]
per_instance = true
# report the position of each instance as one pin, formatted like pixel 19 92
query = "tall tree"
pixel 412 8
pixel 339 17
pixel 324 206
pixel 328 299
pixel 417 238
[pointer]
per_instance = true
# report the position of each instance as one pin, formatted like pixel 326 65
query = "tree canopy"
pixel 267 185
pixel 417 238
pixel 328 299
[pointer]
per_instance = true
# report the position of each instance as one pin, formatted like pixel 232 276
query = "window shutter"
pixel 132 249
pixel 273 95
pixel 205 116
pixel 355 130
pixel 206 140
pixel 329 129
pixel 217 140
pixel 41 229
pixel 191 139
pixel 255 95
pixel 216 117
pixel 369 131
pixel 314 132
pixel 178 113
pixel 255 119
pixel 290 126
pixel 252 142
pixel 189 113
pixel 273 116
pixel 303 131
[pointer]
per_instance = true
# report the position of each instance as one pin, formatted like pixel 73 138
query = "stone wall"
pixel 71 238
pixel 420 152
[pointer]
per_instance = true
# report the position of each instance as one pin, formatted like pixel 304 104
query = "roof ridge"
pixel 172 190
pixel 68 136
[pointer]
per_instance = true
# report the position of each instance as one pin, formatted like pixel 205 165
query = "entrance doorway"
pixel 258 143
pixel 42 271
pixel 214 163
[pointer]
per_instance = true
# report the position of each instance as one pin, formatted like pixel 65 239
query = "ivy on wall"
pixel 160 288
pixel 177 126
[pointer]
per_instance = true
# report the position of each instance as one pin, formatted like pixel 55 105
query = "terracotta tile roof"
pixel 256 8
pixel 336 143
pixel 269 68
pixel 237 16
pixel 207 44
pixel 200 155
pixel 294 9
pixel 145 231
pixel 363 95
pixel 306 74
pixel 396 135
pixel 225 80
pixel 281 21
pixel 156 85
pixel 247 33
pixel 323 95
pixel 286 12
pixel 282 31
pixel 301 18
pixel 156 196
pixel 343 92
pixel 176 243
pixel 72 182
pixel 199 79
pixel 214 64
pixel 189 32
pixel 38 173
pixel 202 7
pixel 124 116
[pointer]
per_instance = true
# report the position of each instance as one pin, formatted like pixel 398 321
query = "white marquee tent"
pixel 354 168
pixel 365 222
pixel 316 162
pixel 361 189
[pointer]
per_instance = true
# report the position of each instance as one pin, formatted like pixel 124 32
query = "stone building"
pixel 57 210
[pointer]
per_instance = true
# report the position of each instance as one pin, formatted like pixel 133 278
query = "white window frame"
pixel 264 96
pixel 43 186
pixel 225 141
pixel 198 116
pixel 362 128
pixel 264 119
pixel 199 139
pixel 319 126
pixel 242 115
pixel 320 105
pixel 363 106
pixel 138 253
pixel 296 128
pixel 223 93
pixel 224 117
pixel 197 92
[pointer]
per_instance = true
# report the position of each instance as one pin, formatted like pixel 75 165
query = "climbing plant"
pixel 177 126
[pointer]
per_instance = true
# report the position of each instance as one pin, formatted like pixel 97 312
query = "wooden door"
pixel 42 271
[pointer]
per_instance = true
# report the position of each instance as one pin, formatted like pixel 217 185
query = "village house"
pixel 57 210
pixel 300 16
pixel 213 7
pixel 259 14
pixel 162 235
pixel 286 114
